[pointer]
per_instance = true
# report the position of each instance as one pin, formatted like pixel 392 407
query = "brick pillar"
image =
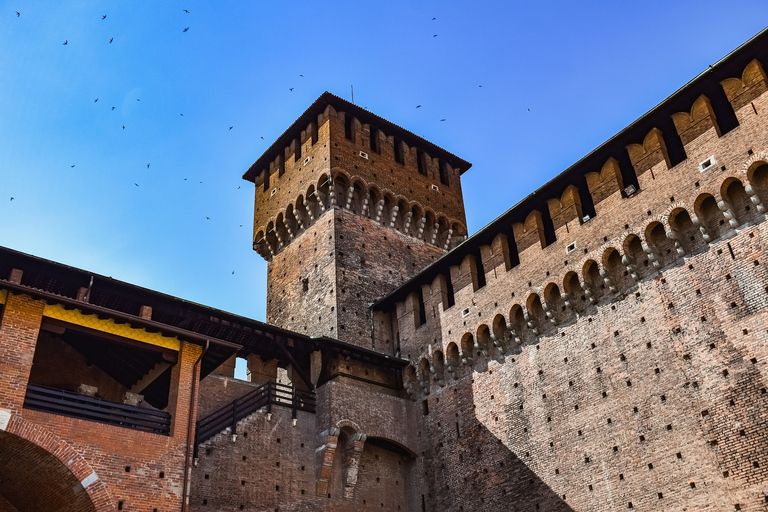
pixel 19 327
pixel 181 390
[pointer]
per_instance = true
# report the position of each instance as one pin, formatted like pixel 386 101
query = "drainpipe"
pixel 185 487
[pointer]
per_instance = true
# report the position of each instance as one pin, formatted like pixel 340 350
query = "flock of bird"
pixel 186 29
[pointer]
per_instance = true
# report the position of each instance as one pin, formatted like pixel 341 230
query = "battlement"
pixel 340 155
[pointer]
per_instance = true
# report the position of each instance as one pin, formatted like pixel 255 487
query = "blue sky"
pixel 584 69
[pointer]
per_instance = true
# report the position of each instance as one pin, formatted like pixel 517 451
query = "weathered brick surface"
pixel 611 382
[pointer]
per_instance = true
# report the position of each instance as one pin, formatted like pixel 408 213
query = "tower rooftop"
pixel 319 105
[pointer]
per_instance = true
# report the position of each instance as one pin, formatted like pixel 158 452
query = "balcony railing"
pixel 66 403
pixel 266 396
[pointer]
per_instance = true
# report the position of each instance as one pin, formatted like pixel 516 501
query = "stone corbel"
pixel 727 210
pixel 629 263
pixel 608 281
pixel 750 190
pixel 651 256
pixel 704 234
pixel 675 236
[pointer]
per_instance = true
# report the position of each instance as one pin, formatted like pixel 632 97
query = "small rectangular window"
pixel 374 133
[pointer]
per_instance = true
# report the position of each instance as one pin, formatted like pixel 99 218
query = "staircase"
pixel 266 395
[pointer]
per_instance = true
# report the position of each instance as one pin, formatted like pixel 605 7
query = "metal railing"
pixel 266 395
pixel 67 403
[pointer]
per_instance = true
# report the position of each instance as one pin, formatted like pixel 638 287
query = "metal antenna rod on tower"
pixel 352 87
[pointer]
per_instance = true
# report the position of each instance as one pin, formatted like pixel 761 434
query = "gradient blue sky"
pixel 584 69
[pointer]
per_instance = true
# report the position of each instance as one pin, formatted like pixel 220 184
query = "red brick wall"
pixel 18 332
pixel 677 355
pixel 106 450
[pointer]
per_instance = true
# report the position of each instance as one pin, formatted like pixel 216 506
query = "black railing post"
pixel 293 401
pixel 269 397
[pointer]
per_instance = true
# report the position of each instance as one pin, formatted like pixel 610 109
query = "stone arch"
pixel 554 304
pixel 659 248
pixel 635 258
pixel 312 204
pixel 573 294
pixel 516 323
pixel 711 218
pixel 374 201
pixel 757 173
pixel 411 380
pixel 430 227
pixel 615 273
pixel 736 200
pixel 323 191
pixel 444 232
pixel 402 214
pixel 291 222
pixel 452 357
pixel 260 245
pixel 424 374
pixel 415 221
pixel 535 316
pixel 467 348
pixel 483 342
pixel 685 233
pixel 591 281
pixel 281 231
pixel 341 185
pixel 438 365
pixel 271 237
pixel 499 330
pixel 54 466
pixel 300 211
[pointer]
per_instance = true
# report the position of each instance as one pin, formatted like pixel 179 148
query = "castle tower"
pixel 348 206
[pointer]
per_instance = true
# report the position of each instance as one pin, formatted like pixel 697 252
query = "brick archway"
pixel 48 453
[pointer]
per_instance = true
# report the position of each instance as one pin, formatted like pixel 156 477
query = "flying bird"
pixel 418 106
pixel 11 199
pixel 233 272
pixel 290 89
pixel 206 216
pixel 433 19
pixel 238 188
pixel 123 127
pixel 231 127
pixel 442 120
pixel 104 17
pixel 434 35
pixel 97 99
pixel 17 15
pixel 136 184
pixel 185 29
pixel 302 76
pixel 529 110
pixel 147 166
pixel 182 115
pixel 72 165
pixel 186 11
pixel 262 138
pixel 479 85
pixel 137 99
pixel 113 108
pixel 65 42
pixel 110 40
pixel 185 179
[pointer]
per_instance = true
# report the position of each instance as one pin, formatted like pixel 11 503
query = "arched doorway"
pixel 34 480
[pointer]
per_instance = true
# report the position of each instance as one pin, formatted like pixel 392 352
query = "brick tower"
pixel 348 206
